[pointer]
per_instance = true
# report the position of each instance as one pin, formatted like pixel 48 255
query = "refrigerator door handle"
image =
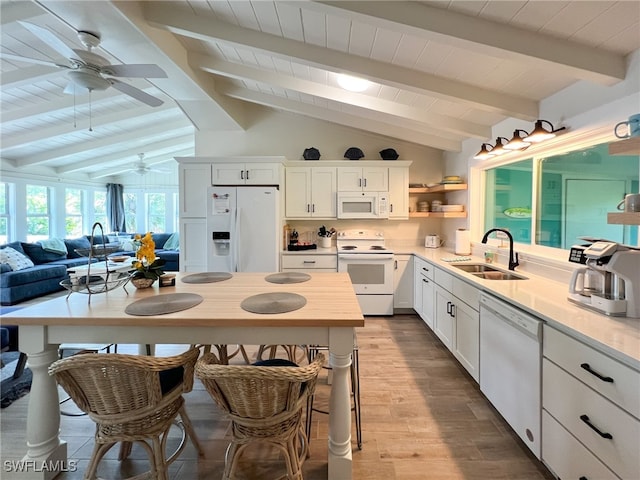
pixel 236 242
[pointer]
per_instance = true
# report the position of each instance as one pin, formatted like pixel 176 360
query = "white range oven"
pixel 363 255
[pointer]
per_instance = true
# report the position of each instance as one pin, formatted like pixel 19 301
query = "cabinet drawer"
pixel 566 457
pixel 583 362
pixel 424 268
pixel 576 407
pixel 310 261
pixel 467 293
pixel 444 279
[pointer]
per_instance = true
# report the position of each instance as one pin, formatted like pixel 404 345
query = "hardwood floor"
pixel 423 418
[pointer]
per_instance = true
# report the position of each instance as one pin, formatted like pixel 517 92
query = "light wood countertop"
pixel 331 301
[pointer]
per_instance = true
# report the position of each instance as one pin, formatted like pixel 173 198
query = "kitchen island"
pixel 329 317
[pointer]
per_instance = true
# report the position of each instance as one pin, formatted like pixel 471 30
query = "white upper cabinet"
pixel 237 173
pixel 310 192
pixel 399 193
pixel 365 179
pixel 195 178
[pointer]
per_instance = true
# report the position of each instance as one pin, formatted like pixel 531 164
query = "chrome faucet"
pixel 513 257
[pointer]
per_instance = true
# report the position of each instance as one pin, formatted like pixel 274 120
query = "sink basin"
pixel 476 267
pixel 498 275
pixel 488 272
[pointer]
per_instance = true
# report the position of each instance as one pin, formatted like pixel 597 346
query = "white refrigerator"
pixel 243 225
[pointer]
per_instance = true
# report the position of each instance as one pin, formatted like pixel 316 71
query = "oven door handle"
pixel 366 256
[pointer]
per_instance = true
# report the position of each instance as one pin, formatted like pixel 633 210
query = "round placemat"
pixel 161 304
pixel 207 277
pixel 288 277
pixel 274 302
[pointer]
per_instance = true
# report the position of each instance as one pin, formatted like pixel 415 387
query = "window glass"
pixel 578 189
pixel 130 211
pixel 100 210
pixel 38 219
pixel 574 192
pixel 508 199
pixel 156 207
pixel 4 212
pixel 73 212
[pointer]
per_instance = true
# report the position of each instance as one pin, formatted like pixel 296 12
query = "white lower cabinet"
pixel 423 291
pixel 595 399
pixel 457 319
pixel 193 244
pixel 309 262
pixel 567 457
pixel 402 282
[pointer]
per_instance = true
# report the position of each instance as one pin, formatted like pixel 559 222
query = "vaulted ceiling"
pixel 440 72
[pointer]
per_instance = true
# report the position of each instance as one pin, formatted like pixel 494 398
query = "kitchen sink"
pixel 476 267
pixel 498 275
pixel 488 272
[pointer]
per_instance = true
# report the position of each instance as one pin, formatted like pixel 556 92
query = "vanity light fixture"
pixel 353 84
pixel 517 142
pixel 540 134
pixel 521 140
pixel 498 148
pixel 483 154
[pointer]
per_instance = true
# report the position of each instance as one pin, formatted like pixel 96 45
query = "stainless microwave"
pixel 363 205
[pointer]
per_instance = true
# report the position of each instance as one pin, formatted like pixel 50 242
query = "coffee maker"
pixel 610 281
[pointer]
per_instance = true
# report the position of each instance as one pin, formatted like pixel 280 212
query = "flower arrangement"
pixel 147 265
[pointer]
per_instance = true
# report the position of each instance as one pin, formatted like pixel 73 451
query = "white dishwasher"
pixel 510 366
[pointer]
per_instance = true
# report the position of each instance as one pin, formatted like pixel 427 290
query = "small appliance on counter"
pixel 432 241
pixel 610 281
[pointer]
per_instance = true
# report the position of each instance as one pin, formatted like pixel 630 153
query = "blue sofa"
pixel 50 268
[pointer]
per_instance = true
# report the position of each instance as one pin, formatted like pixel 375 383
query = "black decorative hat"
pixel 353 153
pixel 311 154
pixel 389 154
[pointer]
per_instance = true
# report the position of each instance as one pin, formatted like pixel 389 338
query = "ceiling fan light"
pixel 517 142
pixel 483 154
pixel 85 78
pixel 353 84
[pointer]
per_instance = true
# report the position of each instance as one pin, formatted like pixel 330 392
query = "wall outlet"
pixel 501 235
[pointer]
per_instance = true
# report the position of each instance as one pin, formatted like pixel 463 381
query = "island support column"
pixel 46 454
pixel 340 350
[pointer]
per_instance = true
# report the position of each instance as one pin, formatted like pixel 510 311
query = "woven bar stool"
pixel 131 398
pixel 264 404
pixel 355 392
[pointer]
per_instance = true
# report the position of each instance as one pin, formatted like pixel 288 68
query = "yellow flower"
pixel 147 265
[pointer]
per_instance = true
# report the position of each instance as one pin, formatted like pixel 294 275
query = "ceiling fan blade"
pixel 18 58
pixel 49 38
pixel 135 71
pixel 136 93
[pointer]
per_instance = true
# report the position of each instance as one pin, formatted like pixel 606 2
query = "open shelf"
pixel 629 146
pixel 438 215
pixel 449 187
pixel 624 218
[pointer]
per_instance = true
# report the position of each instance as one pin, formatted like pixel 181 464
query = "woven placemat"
pixel 288 277
pixel 274 302
pixel 162 304
pixel 207 277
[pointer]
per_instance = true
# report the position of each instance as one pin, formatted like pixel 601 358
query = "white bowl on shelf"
pixel 452 208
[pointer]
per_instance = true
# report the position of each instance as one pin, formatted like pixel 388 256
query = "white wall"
pixel 282 134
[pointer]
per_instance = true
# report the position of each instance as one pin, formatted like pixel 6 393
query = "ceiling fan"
pixel 90 71
pixel 141 168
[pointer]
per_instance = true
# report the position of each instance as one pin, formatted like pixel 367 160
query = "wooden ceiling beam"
pixel 485 36
pixel 442 122
pixel 209 29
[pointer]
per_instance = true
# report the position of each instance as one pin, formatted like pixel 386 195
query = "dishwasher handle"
pixel 517 319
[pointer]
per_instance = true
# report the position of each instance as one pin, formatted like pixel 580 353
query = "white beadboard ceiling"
pixel 440 71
